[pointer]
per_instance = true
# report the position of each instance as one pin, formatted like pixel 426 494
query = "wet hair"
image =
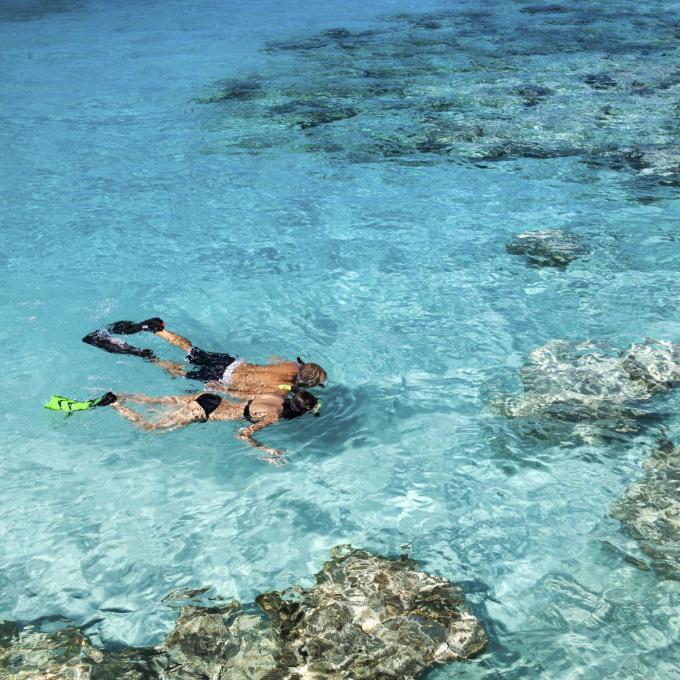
pixel 310 375
pixel 303 401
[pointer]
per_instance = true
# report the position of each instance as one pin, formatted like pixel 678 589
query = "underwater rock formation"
pixel 650 510
pixel 489 76
pixel 660 163
pixel 652 164
pixel 235 90
pixel 580 381
pixel 533 94
pixel 27 654
pixel 547 248
pixel 366 617
pixel 600 81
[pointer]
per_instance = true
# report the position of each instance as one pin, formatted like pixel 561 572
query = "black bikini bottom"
pixel 208 402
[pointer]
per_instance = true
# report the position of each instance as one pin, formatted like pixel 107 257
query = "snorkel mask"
pixel 317 407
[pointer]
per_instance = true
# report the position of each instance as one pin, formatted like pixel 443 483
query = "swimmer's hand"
pixel 273 460
pixel 272 452
pixel 245 434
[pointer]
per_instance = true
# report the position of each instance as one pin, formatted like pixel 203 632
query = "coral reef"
pixel 464 85
pixel 366 617
pixel 547 248
pixel 580 381
pixel 650 510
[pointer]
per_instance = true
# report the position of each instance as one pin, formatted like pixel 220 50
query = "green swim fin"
pixel 58 403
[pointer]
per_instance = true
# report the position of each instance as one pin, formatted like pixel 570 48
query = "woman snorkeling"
pixel 220 371
pixel 261 411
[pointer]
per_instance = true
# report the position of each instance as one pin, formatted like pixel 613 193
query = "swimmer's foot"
pixel 105 399
pixel 104 341
pixel 59 403
pixel 273 460
pixel 152 325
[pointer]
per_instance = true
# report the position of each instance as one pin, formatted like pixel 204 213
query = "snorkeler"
pixel 261 411
pixel 220 371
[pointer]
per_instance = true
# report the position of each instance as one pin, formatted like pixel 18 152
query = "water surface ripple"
pixel 338 182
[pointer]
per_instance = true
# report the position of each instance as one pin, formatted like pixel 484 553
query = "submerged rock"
pixel 545 9
pixel 660 163
pixel 657 165
pixel 600 81
pixel 225 642
pixel 235 90
pixel 533 94
pixel 650 510
pixel 366 617
pixel 27 654
pixel 580 381
pixel 325 116
pixel 371 617
pixel 479 72
pixel 547 248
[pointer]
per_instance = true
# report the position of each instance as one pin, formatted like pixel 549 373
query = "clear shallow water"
pixel 124 196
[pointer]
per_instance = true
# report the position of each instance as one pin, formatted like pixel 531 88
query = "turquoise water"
pixel 374 245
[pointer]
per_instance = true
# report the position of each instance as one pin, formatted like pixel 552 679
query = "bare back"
pixel 251 379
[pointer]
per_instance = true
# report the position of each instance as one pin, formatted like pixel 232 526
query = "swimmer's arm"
pixel 215 386
pixel 175 339
pixel 178 419
pixel 246 434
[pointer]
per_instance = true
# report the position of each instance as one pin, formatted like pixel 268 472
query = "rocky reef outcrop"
pixel 652 164
pixel 366 617
pixel 547 248
pixel 650 510
pixel 581 381
pixel 477 86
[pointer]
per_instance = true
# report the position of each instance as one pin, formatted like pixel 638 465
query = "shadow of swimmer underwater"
pixel 261 411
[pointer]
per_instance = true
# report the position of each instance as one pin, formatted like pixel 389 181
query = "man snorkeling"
pixel 220 371
pixel 261 411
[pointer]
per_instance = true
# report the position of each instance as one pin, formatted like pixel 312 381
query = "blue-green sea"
pixel 337 181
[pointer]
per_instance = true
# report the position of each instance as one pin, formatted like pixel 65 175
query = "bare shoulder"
pixel 267 401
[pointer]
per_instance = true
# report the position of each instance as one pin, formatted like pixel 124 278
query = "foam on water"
pixel 371 245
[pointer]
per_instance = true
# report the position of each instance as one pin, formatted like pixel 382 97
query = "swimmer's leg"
pixel 179 418
pixel 145 399
pixel 131 415
pixel 173 368
pixel 113 345
pixel 175 339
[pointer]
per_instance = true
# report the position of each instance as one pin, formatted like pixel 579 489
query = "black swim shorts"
pixel 211 365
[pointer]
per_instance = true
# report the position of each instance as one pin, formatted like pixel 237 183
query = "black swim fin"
pixel 152 325
pixel 104 341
